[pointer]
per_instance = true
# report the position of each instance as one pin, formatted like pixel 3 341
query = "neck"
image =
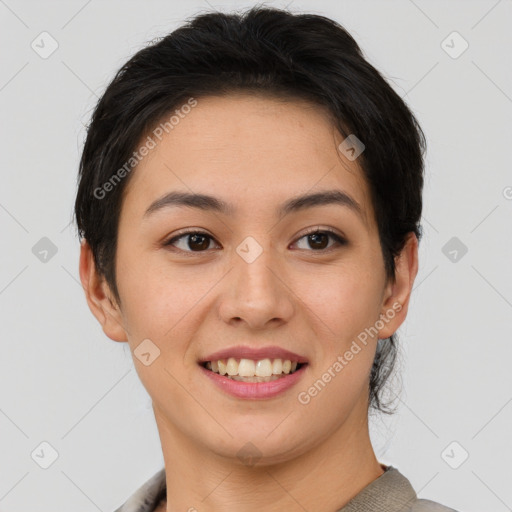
pixel 323 479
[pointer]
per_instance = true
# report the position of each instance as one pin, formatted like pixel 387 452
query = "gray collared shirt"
pixel 390 492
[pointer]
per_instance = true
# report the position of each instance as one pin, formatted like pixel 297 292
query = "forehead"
pixel 251 151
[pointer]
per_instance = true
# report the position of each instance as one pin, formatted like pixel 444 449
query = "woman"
pixel 249 205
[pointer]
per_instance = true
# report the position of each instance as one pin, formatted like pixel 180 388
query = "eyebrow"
pixel 295 204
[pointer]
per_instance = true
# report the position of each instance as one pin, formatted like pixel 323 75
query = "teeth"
pixel 263 368
pixel 246 368
pixel 277 367
pixel 249 370
pixel 232 366
pixel 255 379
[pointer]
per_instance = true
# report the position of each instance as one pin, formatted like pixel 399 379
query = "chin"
pixel 259 443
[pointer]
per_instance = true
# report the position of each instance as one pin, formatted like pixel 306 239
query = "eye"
pixel 199 241
pixel 191 241
pixel 319 238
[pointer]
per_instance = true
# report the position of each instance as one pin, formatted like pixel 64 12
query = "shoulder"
pixel 147 497
pixel 429 506
pixel 391 492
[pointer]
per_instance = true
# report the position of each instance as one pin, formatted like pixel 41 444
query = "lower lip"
pixel 255 390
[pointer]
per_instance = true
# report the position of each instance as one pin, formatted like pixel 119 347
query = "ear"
pixel 99 296
pixel 397 294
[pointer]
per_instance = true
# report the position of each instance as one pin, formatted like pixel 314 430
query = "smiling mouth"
pixel 249 370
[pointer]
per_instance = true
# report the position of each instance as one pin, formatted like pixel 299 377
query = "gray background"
pixel 64 383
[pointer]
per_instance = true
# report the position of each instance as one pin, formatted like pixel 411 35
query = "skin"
pixel 255 153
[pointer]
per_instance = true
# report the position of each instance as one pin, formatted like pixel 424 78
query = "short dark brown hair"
pixel 269 51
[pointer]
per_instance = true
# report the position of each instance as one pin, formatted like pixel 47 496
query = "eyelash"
pixel 340 241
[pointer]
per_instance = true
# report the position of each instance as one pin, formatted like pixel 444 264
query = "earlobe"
pixel 99 296
pixel 398 293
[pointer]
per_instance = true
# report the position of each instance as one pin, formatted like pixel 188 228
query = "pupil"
pixel 314 238
pixel 194 239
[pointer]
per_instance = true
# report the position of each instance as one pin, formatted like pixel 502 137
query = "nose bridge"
pixel 253 264
pixel 256 292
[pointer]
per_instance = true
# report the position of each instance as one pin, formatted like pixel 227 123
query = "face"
pixel 243 271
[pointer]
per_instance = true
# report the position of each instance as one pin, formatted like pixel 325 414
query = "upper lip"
pixel 245 352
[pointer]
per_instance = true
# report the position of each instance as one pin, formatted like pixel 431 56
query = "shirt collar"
pixel 390 492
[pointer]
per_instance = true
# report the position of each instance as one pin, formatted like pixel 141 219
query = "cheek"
pixel 344 306
pixel 345 299
pixel 160 301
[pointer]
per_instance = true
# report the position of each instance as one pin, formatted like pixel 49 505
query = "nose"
pixel 256 292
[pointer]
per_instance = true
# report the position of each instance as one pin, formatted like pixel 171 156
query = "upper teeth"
pixel 251 368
